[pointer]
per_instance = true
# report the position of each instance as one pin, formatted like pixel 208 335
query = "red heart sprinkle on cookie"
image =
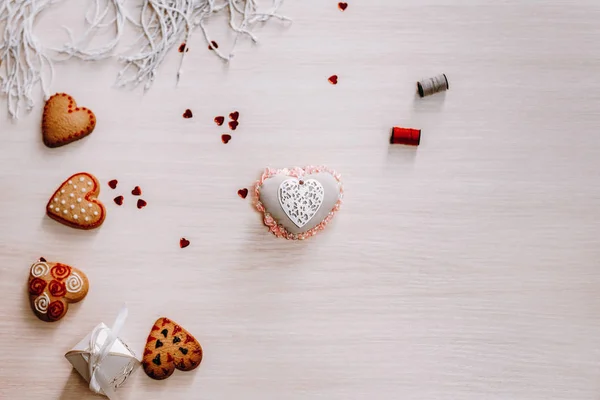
pixel 243 193
pixel 219 120
pixel 333 79
pixel 137 191
pixel 233 125
pixel 342 6
pixel 225 138
pixel 212 45
pixel 188 114
pixel 183 243
pixel 183 47
pixel 141 204
pixel 118 200
pixel 234 115
pixel 113 184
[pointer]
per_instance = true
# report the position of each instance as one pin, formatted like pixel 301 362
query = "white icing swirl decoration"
pixel 74 283
pixel 39 269
pixel 41 303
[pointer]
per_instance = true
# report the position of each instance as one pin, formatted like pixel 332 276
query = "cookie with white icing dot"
pixel 75 202
pixel 64 122
pixel 52 286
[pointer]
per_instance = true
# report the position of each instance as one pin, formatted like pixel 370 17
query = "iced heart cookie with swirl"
pixel 170 347
pixel 75 202
pixel 297 203
pixel 64 122
pixel 52 286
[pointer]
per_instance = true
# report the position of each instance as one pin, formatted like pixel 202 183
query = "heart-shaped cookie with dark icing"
pixel 170 347
pixel 297 203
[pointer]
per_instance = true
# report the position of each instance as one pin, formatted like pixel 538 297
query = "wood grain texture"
pixel 464 269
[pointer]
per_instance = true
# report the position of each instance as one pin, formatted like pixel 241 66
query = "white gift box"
pixel 111 366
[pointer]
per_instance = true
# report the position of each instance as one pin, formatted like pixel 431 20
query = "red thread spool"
pixel 411 137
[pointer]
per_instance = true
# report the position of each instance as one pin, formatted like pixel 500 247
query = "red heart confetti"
pixel 137 191
pixel 141 203
pixel 233 125
pixel 234 115
pixel 183 47
pixel 225 138
pixel 342 6
pixel 243 193
pixel 219 120
pixel 183 243
pixel 119 200
pixel 333 79
pixel 113 184
pixel 188 114
pixel 212 45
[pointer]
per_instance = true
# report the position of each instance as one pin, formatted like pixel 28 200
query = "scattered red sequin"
pixel 113 184
pixel 212 45
pixel 188 114
pixel 243 193
pixel 234 115
pixel 137 191
pixel 333 79
pixel 183 243
pixel 119 200
pixel 233 125
pixel 342 6
pixel 183 47
pixel 219 120
pixel 225 138
pixel 411 137
pixel 141 203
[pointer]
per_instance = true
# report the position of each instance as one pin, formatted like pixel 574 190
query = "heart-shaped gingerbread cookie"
pixel 170 347
pixel 52 286
pixel 63 122
pixel 297 203
pixel 75 202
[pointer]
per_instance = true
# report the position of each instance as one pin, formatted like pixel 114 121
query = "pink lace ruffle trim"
pixel 276 228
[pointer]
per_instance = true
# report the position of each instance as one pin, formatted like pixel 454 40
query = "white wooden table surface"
pixel 466 268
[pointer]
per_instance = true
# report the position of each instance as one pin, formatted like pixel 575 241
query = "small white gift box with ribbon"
pixel 103 359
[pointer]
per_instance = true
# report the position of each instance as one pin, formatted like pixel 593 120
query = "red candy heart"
pixel 188 114
pixel 219 120
pixel 234 115
pixel 233 125
pixel 119 200
pixel 136 191
pixel 342 6
pixel 333 79
pixel 183 47
pixel 225 138
pixel 183 243
pixel 141 203
pixel 243 193
pixel 113 184
pixel 212 45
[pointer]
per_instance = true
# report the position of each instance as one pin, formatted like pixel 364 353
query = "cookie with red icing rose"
pixel 52 286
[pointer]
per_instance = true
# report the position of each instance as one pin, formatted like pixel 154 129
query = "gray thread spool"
pixel 433 85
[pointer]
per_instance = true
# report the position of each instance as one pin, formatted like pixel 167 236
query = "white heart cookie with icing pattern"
pixel 298 203
pixel 75 202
